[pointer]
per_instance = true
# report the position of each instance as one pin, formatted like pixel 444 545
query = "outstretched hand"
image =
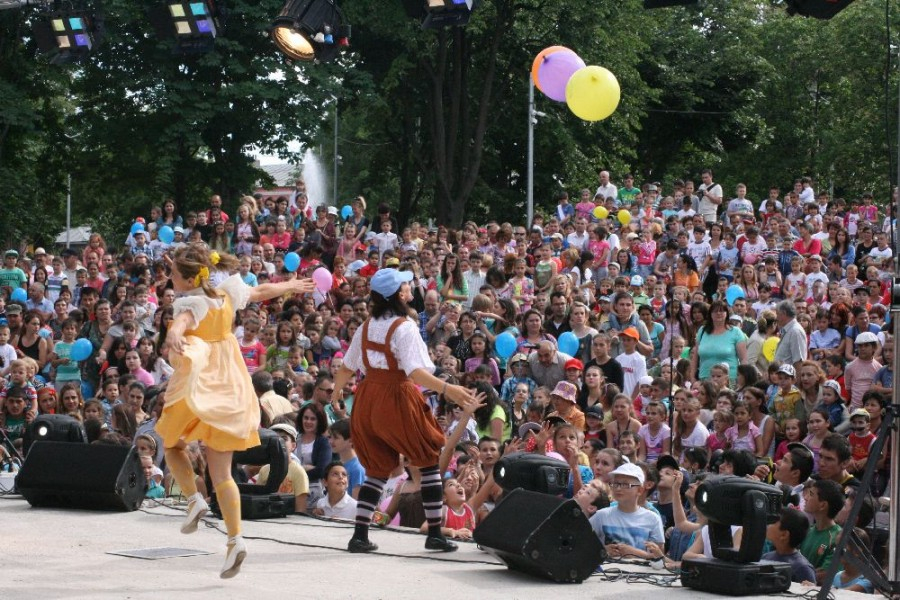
pixel 303 286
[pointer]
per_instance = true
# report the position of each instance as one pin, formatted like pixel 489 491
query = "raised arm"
pixel 267 291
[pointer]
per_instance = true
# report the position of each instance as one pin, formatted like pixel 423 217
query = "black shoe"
pixel 358 546
pixel 439 542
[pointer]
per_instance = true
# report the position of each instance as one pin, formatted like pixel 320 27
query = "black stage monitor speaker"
pixel 88 476
pixel 542 535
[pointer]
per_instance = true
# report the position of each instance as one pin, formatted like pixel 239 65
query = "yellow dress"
pixel 210 396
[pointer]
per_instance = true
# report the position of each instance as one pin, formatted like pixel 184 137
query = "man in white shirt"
pixel 710 197
pixel 578 239
pixel 606 188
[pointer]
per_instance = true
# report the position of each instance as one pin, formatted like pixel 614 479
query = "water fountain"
pixel 316 180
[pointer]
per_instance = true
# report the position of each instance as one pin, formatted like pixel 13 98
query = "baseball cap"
pixel 524 428
pixel 387 281
pixel 652 188
pixel 860 412
pixel 787 370
pixel 178 229
pixel 392 262
pixel 605 299
pixel 594 411
pixel 566 391
pixel 13 309
pixel 666 460
pixel 284 427
pixel 632 333
pixel 518 358
pixel 637 280
pixel 815 257
pixel 39 251
pixel 11 252
pixel 332 210
pixel 356 265
pixel 630 470
pixel 631 236
pixel 556 236
pixel 836 386
pixel 866 337
pixel 645 380
pixel 574 363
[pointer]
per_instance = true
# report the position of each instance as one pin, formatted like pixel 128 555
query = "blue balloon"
pixel 137 228
pixel 568 343
pixel 45 333
pixel 733 293
pixel 166 234
pixel 505 344
pixel 346 211
pixel 291 261
pixel 81 349
pixel 19 295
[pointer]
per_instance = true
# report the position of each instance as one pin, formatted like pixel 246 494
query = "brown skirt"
pixel 390 418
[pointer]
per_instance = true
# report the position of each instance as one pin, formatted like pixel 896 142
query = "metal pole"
pixel 530 190
pixel 68 209
pixel 894 488
pixel 334 193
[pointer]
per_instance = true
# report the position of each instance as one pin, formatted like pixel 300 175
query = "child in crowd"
pixel 13 414
pixel 628 445
pixel 337 503
pixel 834 404
pixel 823 500
pixel 723 421
pixel 794 433
pixel 654 435
pixel 786 534
pixel 459 518
pixel 629 530
pixel 252 350
pixel 342 446
pixel 642 399
pixel 861 440
pixel 18 379
pixel 786 398
pixel 744 434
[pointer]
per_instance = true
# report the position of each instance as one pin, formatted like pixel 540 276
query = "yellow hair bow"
pixel 201 275
pixel 214 257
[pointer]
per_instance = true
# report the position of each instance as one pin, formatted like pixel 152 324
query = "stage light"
pixel 819 9
pixel 311 30
pixel 533 472
pixel 66 36
pixel 726 501
pixel 53 428
pixel 194 25
pixel 447 13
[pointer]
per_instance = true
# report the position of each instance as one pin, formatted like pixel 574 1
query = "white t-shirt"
pixel 707 208
pixel 608 190
pixel 634 367
pixel 614 526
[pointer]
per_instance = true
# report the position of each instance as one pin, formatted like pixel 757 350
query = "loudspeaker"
pixel 88 476
pixel 542 535
pixel 266 506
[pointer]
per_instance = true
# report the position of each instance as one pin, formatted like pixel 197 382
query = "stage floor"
pixel 56 554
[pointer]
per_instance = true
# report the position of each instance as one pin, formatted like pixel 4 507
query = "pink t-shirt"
pixel 252 355
pixel 745 442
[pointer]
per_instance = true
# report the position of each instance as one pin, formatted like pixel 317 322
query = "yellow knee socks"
pixel 229 499
pixel 179 464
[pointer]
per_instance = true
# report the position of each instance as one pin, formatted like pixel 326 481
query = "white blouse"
pixel 198 303
pixel 407 346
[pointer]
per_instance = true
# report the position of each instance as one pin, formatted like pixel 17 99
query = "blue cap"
pixel 387 281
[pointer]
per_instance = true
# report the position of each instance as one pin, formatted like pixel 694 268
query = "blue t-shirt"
pixel 885 377
pixel 801 570
pixel 356 474
pixel 858 580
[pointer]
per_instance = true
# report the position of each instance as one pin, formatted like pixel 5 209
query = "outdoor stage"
pixel 55 554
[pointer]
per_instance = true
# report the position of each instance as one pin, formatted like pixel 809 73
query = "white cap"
pixel 866 337
pixel 630 470
pixel 645 380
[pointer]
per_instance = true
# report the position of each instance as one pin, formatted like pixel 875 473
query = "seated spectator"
pixel 627 529
pixel 337 503
pixel 786 534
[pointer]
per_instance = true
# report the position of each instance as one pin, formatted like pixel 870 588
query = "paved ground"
pixel 50 554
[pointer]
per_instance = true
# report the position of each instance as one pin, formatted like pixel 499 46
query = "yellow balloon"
pixel 539 60
pixel 624 217
pixel 600 212
pixel 768 348
pixel 593 93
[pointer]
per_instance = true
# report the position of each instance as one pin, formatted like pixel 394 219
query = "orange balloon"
pixel 539 60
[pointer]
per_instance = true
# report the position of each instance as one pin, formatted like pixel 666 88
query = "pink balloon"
pixel 555 72
pixel 322 278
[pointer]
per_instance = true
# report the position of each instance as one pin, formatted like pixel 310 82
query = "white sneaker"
pixel 197 508
pixel 237 552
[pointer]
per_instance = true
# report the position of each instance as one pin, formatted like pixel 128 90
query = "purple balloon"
pixel 555 71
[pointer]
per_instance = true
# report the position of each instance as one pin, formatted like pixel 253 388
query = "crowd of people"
pixel 660 334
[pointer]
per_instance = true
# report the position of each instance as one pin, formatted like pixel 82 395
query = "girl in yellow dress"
pixel 210 396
